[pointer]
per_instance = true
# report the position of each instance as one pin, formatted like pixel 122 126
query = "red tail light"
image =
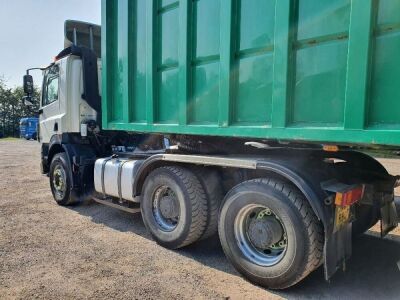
pixel 349 197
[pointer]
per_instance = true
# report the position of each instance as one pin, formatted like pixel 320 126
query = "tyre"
pixel 211 183
pixel 60 180
pixel 174 207
pixel 270 233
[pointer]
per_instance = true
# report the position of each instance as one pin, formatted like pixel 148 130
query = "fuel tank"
pixel 115 176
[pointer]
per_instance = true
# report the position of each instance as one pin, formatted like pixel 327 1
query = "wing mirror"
pixel 29 90
pixel 28 85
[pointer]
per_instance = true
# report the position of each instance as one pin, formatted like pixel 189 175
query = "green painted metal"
pixel 358 63
pixel 283 63
pixel 310 70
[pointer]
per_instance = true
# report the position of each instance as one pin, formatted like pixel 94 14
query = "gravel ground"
pixel 92 251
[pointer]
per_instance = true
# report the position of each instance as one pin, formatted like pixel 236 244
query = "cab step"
pixel 110 203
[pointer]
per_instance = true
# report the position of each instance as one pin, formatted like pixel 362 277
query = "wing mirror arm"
pixel 28 86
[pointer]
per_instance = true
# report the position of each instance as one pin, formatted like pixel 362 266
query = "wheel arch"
pixel 80 157
pixel 307 185
pixel 49 150
pixel 145 169
pixel 53 150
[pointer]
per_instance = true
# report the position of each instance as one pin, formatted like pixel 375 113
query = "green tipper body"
pixel 325 71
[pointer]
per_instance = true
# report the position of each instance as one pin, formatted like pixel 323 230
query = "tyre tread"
pixel 212 187
pixel 198 202
pixel 311 222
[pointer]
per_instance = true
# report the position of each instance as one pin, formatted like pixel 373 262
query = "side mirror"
pixel 27 100
pixel 28 85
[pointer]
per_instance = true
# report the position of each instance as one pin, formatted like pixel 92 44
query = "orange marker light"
pixel 350 197
pixel 330 148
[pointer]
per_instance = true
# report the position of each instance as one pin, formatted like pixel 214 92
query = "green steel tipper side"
pixel 238 117
pixel 305 70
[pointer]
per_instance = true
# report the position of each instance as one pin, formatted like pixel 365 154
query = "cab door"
pixel 50 116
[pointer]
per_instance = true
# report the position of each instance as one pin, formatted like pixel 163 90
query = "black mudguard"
pixel 82 159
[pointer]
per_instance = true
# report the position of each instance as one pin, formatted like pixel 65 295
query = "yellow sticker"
pixel 342 216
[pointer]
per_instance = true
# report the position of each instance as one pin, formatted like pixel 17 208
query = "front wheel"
pixel 269 233
pixel 60 180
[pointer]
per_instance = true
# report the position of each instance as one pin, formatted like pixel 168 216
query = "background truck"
pixel 242 117
pixel 28 128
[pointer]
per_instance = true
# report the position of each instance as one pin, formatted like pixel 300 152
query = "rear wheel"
pixel 212 185
pixel 174 207
pixel 270 233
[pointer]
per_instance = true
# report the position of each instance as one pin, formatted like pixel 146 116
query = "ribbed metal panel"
pixel 322 71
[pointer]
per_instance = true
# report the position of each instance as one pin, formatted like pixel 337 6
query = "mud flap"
pixel 338 245
pixel 389 215
pixel 337 249
pixel 81 158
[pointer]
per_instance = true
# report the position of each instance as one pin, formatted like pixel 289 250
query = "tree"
pixel 12 108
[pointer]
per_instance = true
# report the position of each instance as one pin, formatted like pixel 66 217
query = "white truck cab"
pixel 71 93
pixel 62 108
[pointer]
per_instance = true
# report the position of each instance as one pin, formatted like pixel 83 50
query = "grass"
pixel 9 139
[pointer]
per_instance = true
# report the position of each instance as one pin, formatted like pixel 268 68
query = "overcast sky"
pixel 32 32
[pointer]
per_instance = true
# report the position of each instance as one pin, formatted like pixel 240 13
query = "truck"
pixel 28 128
pixel 244 118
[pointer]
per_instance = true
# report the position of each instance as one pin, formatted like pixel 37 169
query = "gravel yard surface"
pixel 92 251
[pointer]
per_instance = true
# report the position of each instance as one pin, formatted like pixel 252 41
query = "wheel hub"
pixel 168 207
pixel 260 235
pixel 58 181
pixel 265 232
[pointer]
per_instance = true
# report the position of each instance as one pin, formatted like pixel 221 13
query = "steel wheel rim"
pixel 59 181
pixel 262 257
pixel 165 223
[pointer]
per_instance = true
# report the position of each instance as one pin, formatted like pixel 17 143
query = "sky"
pixel 32 33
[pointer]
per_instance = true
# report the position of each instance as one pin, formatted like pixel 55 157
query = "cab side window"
pixel 51 86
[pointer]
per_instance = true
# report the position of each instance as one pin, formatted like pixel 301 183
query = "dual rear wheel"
pixel 267 229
